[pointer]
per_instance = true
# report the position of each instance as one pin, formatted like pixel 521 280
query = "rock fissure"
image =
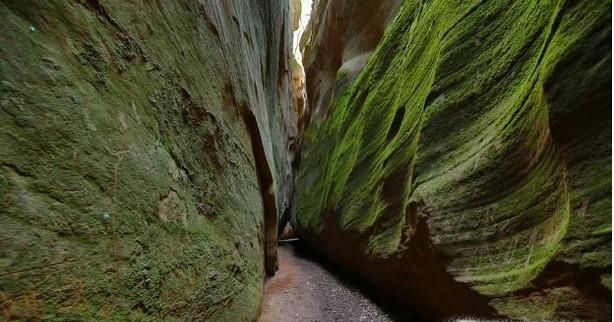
pixel 265 180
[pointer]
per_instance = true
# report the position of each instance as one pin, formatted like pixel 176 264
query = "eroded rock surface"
pixel 463 167
pixel 141 144
pixel 341 35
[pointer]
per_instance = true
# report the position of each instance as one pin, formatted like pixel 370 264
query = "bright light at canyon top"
pixel 305 14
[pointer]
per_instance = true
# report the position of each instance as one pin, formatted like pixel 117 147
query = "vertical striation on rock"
pixel 142 145
pixel 463 163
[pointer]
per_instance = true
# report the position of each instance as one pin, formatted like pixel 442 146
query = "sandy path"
pixel 302 290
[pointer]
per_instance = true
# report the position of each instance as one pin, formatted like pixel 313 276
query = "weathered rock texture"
pixel 341 35
pixel 465 169
pixel 299 104
pixel 142 144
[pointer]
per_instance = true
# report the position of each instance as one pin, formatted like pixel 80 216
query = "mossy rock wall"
pixel 466 168
pixel 128 182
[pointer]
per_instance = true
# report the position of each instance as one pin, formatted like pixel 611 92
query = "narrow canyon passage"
pixel 453 158
pixel 304 289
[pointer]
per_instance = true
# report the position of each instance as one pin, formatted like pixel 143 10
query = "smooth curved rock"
pixel 341 35
pixel 465 169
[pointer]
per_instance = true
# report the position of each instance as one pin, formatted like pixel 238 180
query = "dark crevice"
pixel 397 121
pixel 265 181
pixel 438 297
pixel 283 220
pixel 587 281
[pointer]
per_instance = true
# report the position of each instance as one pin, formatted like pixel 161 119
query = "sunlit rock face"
pixel 141 144
pixel 340 36
pixel 299 99
pixel 463 167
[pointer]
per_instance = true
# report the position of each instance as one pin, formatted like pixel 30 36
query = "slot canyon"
pixel 306 160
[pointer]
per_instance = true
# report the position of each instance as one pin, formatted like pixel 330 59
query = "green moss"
pixel 464 108
pixel 606 280
pixel 127 180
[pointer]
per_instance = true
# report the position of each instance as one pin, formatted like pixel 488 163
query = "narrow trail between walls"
pixel 304 290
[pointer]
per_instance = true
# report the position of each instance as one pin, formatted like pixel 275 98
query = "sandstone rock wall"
pixel 140 144
pixel 466 167
pixel 341 35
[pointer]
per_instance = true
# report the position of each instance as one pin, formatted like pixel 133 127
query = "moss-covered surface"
pixel 128 186
pixel 494 119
